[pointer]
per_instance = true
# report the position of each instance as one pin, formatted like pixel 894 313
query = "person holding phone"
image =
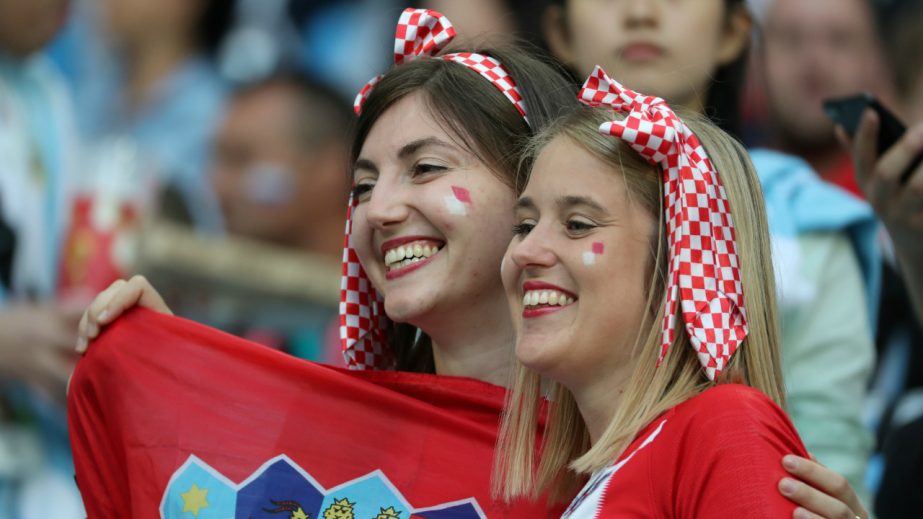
pixel 894 188
pixel 808 52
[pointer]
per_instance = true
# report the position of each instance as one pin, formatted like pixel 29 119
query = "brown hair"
pixel 482 119
pixel 903 40
pixel 566 456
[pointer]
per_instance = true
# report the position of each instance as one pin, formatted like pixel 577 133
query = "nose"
pixel 533 251
pixel 387 205
pixel 640 13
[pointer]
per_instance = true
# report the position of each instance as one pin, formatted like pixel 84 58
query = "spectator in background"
pixel 157 85
pixel 279 165
pixel 694 55
pixel 37 155
pixel 900 207
pixel 808 52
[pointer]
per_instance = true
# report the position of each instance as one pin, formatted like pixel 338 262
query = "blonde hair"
pixel 565 457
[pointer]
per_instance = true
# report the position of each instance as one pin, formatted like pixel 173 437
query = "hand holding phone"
pixel 847 112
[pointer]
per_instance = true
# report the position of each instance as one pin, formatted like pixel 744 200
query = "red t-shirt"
pixel 718 454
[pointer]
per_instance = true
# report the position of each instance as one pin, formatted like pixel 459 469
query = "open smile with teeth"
pixel 538 298
pixel 409 253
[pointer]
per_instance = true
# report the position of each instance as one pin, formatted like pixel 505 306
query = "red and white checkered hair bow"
pixel 362 318
pixel 704 269
pixel 423 33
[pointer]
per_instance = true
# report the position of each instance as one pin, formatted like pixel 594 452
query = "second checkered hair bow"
pixel 423 33
pixel 704 273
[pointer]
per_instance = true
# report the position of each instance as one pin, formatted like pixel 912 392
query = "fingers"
pixel 136 292
pixel 821 490
pixel 801 513
pixel 89 325
pixel 112 302
pixel 813 502
pixel 898 158
pixel 865 146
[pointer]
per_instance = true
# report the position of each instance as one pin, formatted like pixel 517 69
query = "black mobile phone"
pixel 847 112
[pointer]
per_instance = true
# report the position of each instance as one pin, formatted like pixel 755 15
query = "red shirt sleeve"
pixel 718 454
pixel 728 457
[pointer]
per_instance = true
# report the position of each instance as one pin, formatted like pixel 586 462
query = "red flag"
pixel 172 419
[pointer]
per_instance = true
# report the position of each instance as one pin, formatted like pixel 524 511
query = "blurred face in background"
pixel 132 22
pixel 813 50
pixel 667 48
pixel 271 185
pixel 28 25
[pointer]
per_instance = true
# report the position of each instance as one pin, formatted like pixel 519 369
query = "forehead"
pixel 565 168
pixel 819 13
pixel 407 120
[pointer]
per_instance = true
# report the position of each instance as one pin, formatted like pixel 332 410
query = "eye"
pixel 577 227
pixel 362 191
pixel 424 168
pixel 523 228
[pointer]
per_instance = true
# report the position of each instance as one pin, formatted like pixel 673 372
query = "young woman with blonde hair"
pixel 662 365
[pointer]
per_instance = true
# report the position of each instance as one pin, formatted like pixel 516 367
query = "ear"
pixel 554 28
pixel 736 37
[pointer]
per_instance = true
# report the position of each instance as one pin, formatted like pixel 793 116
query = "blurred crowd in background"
pixel 204 144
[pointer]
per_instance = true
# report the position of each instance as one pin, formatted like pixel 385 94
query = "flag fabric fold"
pixel 172 419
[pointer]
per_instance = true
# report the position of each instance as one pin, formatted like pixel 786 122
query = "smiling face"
pixel 432 221
pixel 667 48
pixel 576 274
pixel 813 51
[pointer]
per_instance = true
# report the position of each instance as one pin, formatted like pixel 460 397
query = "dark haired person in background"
pixel 900 207
pixel 279 161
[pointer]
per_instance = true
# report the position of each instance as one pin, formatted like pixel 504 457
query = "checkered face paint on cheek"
pixel 589 257
pixel 457 202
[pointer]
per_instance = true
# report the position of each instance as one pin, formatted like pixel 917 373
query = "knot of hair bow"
pixel 419 33
pixel 650 128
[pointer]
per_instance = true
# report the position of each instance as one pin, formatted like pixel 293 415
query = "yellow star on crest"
pixel 194 499
pixel 388 513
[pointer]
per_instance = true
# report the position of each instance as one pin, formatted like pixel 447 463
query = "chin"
pixel 537 355
pixel 405 309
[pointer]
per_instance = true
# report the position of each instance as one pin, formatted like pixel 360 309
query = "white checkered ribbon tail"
pixel 704 274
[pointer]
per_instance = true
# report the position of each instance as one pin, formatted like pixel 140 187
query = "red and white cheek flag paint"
pixel 171 419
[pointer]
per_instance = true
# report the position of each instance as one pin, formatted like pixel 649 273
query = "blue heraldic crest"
pixel 280 489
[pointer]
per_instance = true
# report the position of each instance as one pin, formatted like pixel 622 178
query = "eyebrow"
pixel 365 164
pixel 405 151
pixel 566 202
pixel 415 146
pixel 563 203
pixel 524 203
